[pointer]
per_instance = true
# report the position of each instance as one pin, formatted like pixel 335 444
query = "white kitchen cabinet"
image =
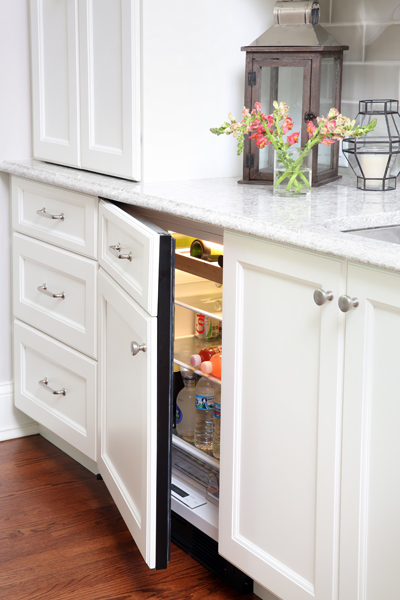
pixel 370 521
pixel 281 425
pixel 55 291
pixel 60 217
pixel 309 454
pixel 56 386
pixel 54 294
pixel 85 74
pixel 55 81
pixel 135 386
pixel 127 444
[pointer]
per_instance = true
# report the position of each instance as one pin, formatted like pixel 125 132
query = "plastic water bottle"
pixel 204 428
pixel 185 406
pixel 217 423
pixel 212 366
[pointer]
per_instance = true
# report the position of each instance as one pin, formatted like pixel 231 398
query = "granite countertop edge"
pixel 321 235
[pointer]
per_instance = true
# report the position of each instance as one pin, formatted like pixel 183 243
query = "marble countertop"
pixel 316 223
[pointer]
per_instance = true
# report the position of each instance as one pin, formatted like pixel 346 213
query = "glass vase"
pixel 292 173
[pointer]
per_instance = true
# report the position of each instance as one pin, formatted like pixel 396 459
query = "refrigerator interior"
pixel 195 473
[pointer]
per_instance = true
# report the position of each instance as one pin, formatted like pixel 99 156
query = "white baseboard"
pixel 13 422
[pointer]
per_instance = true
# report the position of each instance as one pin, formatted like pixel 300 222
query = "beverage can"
pixel 206 327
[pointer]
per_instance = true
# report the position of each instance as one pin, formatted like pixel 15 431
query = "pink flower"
pixel 293 138
pixel 310 128
pixel 287 125
pixel 260 139
pixel 327 142
pixel 282 108
pixel 332 113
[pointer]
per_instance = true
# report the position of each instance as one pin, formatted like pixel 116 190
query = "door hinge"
pixel 251 78
pixel 249 161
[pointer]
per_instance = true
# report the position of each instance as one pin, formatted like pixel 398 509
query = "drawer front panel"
pixel 41 271
pixel 129 252
pixel 39 359
pixel 66 219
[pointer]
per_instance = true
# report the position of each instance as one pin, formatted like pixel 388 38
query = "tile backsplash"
pixel 372 64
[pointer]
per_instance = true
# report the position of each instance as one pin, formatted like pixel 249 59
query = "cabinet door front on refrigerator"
pixel 282 375
pixel 135 399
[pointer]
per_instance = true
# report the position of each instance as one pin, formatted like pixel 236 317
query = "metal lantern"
pixel 297 62
pixel 375 157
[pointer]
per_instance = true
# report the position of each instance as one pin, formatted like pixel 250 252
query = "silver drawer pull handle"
pixel 136 348
pixel 45 383
pixel 116 250
pixel 320 297
pixel 42 212
pixel 346 303
pixel 44 290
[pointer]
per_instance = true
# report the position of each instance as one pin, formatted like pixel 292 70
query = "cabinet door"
pixel 370 523
pixel 109 80
pixel 135 412
pixel 281 417
pixel 54 46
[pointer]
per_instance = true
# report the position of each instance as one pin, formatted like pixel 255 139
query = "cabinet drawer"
pixel 42 271
pixel 66 219
pixel 39 358
pixel 129 250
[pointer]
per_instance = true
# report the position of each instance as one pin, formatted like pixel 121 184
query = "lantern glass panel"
pixel 394 125
pixel 283 84
pixel 329 68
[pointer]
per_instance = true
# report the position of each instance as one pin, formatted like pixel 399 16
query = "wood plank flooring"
pixel 62 538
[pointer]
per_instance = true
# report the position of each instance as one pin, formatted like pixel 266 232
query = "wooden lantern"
pixel 297 62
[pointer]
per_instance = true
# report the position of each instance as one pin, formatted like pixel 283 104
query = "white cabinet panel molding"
pixel 43 272
pixel 282 365
pixel 370 523
pixel 110 86
pixel 55 88
pixel 127 447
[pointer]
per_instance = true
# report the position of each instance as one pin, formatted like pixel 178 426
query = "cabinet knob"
pixel 320 296
pixel 346 303
pixel 136 348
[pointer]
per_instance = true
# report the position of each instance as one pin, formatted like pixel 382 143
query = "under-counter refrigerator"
pixel 150 296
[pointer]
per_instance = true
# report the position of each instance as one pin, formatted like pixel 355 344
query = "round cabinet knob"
pixel 320 297
pixel 136 348
pixel 346 303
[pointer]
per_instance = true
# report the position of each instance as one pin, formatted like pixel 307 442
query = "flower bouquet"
pixel 271 129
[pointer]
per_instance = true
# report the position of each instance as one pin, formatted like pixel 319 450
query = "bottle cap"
pixel 207 366
pixel 195 360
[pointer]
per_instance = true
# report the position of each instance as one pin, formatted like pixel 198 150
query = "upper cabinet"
pixel 85 80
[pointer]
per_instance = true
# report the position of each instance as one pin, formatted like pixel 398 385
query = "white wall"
pixel 193 76
pixel 15 142
pixel 372 63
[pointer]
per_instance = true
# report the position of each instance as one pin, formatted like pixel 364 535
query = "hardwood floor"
pixel 62 538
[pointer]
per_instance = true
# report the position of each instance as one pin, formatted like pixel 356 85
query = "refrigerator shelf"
pixel 195 464
pixel 197 266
